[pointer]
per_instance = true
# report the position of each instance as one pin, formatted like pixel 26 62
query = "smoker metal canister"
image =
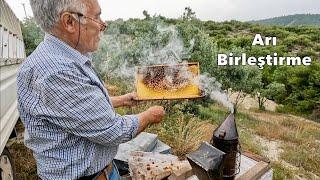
pixel 226 139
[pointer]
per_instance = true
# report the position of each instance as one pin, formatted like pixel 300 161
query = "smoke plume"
pixel 119 54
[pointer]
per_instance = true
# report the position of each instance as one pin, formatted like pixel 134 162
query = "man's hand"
pixel 155 114
pixel 151 116
pixel 129 99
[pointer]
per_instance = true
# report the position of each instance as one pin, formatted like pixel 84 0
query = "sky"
pixel 216 10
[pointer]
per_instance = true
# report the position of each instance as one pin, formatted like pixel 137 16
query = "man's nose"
pixel 103 26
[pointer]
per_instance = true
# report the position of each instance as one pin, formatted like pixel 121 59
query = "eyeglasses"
pixel 102 24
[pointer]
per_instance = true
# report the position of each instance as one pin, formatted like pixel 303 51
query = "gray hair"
pixel 47 12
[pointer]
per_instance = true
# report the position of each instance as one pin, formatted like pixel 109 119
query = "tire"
pixel 6 166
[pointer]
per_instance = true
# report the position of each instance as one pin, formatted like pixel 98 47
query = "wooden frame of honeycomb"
pixel 168 81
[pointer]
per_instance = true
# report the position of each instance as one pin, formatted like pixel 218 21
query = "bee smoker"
pixel 226 139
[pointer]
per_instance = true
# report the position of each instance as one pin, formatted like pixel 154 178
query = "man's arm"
pixel 124 100
pixel 117 101
pixel 151 116
pixel 74 104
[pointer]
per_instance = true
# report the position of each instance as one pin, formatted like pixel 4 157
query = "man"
pixel 70 122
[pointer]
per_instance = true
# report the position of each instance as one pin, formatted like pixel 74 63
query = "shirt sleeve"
pixel 80 107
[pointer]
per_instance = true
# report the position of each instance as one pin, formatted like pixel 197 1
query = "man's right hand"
pixel 155 114
pixel 151 116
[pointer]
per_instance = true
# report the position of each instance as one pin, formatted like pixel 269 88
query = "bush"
pixel 316 114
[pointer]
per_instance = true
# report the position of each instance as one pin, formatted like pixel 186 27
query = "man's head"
pixel 77 22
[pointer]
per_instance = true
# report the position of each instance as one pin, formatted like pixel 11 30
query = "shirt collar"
pixel 78 57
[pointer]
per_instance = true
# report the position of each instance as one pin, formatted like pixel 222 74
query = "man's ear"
pixel 68 22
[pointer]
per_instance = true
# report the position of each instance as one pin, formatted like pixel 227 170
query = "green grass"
pixel 214 115
pixel 248 143
pixel 280 172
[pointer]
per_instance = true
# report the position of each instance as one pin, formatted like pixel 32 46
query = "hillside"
pixel 289 141
pixel 297 19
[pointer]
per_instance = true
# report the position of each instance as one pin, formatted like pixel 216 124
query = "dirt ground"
pixel 24 163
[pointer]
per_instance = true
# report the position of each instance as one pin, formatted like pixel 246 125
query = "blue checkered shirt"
pixel 71 125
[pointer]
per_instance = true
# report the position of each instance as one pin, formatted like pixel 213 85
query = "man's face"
pixel 90 30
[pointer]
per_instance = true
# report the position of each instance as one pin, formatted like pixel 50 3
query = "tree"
pixel 274 91
pixel 243 80
pixel 32 34
pixel 188 14
pixel 146 15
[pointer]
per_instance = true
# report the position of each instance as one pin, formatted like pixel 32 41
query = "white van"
pixel 12 52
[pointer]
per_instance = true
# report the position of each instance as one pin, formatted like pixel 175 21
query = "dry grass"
pixel 24 162
pixel 182 134
pixel 281 172
pixel 276 132
pixel 23 159
pixel 299 140
pixel 303 156
pixel 288 130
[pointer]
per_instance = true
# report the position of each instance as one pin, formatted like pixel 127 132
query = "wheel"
pixel 6 166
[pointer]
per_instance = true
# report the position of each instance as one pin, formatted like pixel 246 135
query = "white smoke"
pixel 114 44
pixel 212 88
pixel 116 64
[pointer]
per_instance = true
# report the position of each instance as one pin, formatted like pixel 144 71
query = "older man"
pixel 71 125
